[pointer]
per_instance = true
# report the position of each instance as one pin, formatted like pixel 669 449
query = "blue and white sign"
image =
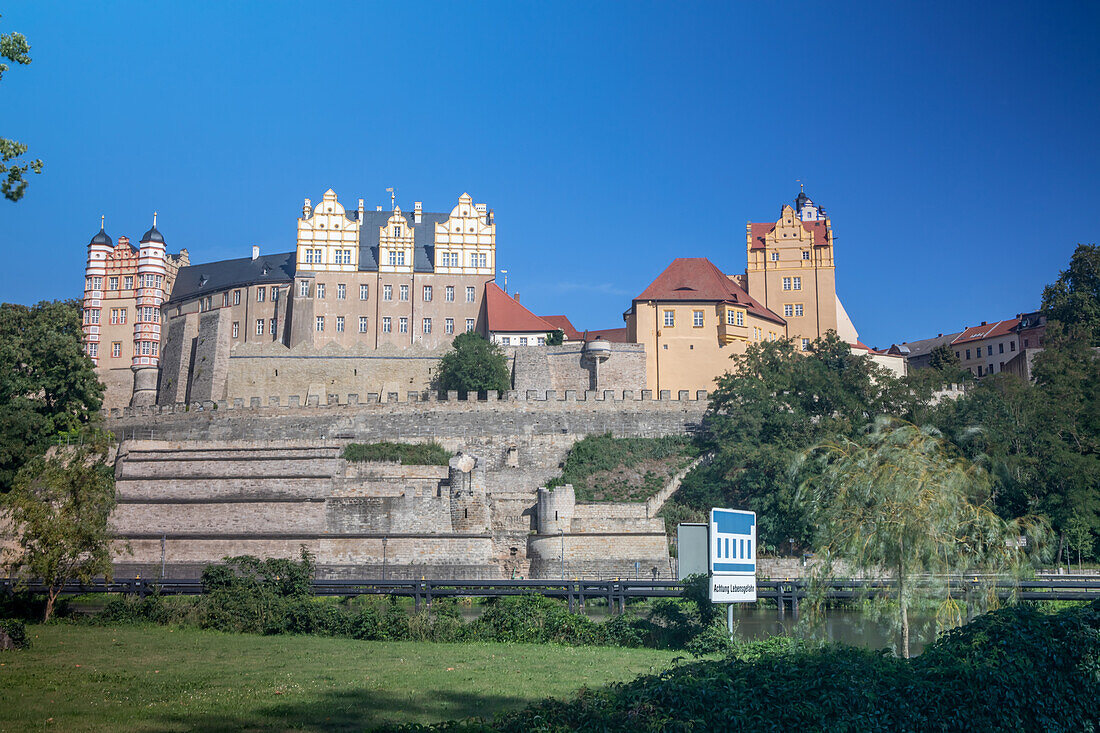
pixel 732 538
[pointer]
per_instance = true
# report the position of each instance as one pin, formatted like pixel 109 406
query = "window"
pixel 341 291
pixel 506 340
pixel 93 316
pixel 343 256
pixel 740 318
pixel 1011 346
pixel 97 283
pixel 697 319
pixel 788 310
pixel 541 341
pixel 1026 344
pixel 225 299
pixel 786 283
pixel 522 340
pixel 404 293
pixel 112 283
pixel 805 255
pixel 756 333
pixel 449 259
pixel 387 292
pixel 427 293
pixel 260 327
pixel 320 290
pixel 386 327
pixel 449 294
pixel 320 324
pixel 122 315
pixel 397 231
pixel 670 319
pixel 116 349
pixel 114 316
pixel 339 324
pixel 479 259
pixel 127 282
pixel 261 294
pixel 979 370
pixel 775 256
pixel 1001 348
pixel 469 324
pixel 236 297
pixel 469 294
pixel 274 294
pixel 1002 366
pixel 989 350
pixel 364 292
pixel 968 353
pixel 313 257
pixel 303 288
pixel 397 257
pixel 402 325
pixel 427 326
pixel 798 309
pixel 805 344
pixel 273 330
pixel 797 283
pixel 155 346
pixel 93 350
pixel 449 325
pixel 957 355
pixel 145 349
pixel 362 324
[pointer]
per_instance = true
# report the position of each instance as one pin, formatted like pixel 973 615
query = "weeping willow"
pixel 900 504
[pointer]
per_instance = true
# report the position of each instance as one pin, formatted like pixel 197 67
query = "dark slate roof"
pixel 102 238
pixel 198 280
pixel 153 235
pixel 423 237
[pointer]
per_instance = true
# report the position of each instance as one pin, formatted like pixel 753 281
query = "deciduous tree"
pixel 473 365
pixel 13 167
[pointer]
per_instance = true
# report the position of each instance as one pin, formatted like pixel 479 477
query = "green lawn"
pixel 80 678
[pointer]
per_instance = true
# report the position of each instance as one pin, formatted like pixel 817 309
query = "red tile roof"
pixel 506 315
pixel 697 279
pixel 614 335
pixel 987 330
pixel 762 229
pixel 563 324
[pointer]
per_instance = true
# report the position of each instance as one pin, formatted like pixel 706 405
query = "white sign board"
pixel 732 556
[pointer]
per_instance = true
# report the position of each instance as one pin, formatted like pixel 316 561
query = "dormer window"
pixel 397 231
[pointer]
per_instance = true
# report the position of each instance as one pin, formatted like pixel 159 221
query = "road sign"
pixel 691 549
pixel 732 556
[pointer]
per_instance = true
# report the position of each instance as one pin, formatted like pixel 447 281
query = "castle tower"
pixel 95 272
pixel 469 503
pixel 149 297
pixel 555 509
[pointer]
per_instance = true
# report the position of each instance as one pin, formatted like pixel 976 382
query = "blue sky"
pixel 953 144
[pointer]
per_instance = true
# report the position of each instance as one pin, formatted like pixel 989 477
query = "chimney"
pixel 515 296
pixel 255 251
pixel 418 209
pixel 377 208
pixel 360 211
pixel 983 323
pixel 307 209
pixel 484 211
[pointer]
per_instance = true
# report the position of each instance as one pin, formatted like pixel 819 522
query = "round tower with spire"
pixel 95 272
pixel 151 274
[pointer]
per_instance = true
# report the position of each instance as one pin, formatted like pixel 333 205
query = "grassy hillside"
pixel 603 468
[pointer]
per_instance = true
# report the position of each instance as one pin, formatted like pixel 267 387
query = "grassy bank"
pixel 144 678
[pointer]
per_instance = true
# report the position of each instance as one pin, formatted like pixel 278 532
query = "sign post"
pixel 732 558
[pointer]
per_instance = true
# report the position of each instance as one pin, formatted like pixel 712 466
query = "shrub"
pixel 606 468
pixel 121 610
pixel 409 454
pixel 15 631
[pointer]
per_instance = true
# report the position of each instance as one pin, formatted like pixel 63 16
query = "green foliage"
pixel 47 384
pixel 16 631
pixel 59 509
pixel 14 48
pixel 604 468
pixel 943 357
pixel 902 503
pixel 409 454
pixel 473 365
pixel 776 402
pixel 555 338
pixel 1014 669
pixel 1074 299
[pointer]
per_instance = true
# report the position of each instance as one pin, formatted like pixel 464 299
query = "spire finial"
pixel 102 222
pixel 154 220
pixel 801 188
pixel 393 198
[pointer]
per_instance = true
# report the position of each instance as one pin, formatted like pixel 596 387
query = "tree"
pixel 901 502
pixel 58 511
pixel 14 48
pixel 777 401
pixel 47 384
pixel 473 365
pixel 1074 298
pixel 555 338
pixel 943 357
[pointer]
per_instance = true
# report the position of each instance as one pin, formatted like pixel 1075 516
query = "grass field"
pixel 84 678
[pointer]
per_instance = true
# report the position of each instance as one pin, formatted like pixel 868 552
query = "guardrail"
pixel 578 592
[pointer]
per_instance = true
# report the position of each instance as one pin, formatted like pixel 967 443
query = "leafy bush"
pixel 122 610
pixel 1012 669
pixel 409 454
pixel 15 631
pixel 605 468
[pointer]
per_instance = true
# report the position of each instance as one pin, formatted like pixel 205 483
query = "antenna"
pixel 154 220
pixel 393 198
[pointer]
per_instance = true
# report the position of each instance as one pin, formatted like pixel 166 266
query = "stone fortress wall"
pixel 199 484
